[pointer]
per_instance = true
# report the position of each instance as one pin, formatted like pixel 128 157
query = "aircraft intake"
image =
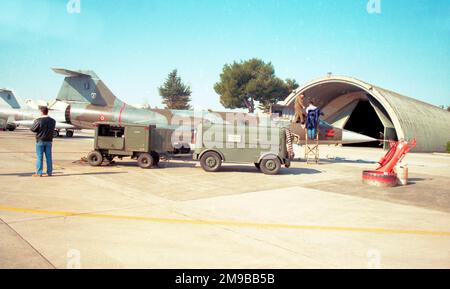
pixel 67 114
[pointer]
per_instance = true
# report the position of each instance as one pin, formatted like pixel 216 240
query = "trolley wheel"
pixel 185 150
pixel 258 166
pixel 155 157
pixel 145 161
pixel 270 166
pixel 69 133
pixel 95 158
pixel 287 163
pixel 55 134
pixel 211 162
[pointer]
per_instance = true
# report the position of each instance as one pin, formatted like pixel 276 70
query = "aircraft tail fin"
pixel 84 86
pixel 8 98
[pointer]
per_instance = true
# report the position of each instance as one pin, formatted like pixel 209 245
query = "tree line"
pixel 241 84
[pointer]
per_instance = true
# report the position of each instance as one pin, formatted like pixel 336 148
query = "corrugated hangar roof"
pixel 402 117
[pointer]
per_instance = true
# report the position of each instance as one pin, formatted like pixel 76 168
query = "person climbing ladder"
pixel 312 135
pixel 312 120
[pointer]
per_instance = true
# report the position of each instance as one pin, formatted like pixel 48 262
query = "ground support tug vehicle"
pixel 269 148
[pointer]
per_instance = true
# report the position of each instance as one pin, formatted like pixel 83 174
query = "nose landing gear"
pixel 69 133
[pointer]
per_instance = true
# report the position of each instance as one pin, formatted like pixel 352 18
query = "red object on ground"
pixel 380 179
pixel 385 176
pixel 395 155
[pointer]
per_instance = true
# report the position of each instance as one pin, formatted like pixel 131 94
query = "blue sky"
pixel 133 45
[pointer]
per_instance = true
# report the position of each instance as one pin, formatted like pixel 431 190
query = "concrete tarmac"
pixel 178 216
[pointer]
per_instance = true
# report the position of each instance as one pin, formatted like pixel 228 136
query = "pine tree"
pixel 242 83
pixel 292 84
pixel 175 94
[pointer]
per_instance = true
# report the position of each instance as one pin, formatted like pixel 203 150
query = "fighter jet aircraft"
pixel 88 100
pixel 8 103
pixel 14 112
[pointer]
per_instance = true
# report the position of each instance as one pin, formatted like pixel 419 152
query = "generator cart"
pixel 144 143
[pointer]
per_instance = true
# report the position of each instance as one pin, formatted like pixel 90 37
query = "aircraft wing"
pixel 62 125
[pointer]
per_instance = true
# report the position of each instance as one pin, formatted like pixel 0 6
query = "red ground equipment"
pixel 384 175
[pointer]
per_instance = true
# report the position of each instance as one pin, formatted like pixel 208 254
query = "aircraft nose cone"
pixel 350 137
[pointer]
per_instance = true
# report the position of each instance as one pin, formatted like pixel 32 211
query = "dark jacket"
pixel 44 128
pixel 313 118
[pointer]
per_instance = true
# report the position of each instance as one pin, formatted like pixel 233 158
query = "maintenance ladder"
pixel 312 149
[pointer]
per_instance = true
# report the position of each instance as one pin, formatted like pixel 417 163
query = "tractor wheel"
pixel 55 134
pixel 95 158
pixel 270 166
pixel 145 161
pixel 211 162
pixel 69 133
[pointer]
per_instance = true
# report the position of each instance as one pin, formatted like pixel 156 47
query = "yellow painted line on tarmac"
pixel 229 223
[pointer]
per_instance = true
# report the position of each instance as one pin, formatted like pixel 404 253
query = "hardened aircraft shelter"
pixel 358 106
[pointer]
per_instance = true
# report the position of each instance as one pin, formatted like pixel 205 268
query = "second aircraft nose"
pixel 350 137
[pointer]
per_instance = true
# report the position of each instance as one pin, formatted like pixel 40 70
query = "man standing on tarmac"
pixel 44 128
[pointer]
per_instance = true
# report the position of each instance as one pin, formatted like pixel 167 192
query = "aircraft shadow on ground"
pixel 253 170
pixel 299 171
pixel 224 169
pixel 76 137
pixel 58 175
pixel 161 165
pixel 346 161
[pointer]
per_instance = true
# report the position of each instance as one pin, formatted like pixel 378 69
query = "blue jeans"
pixel 44 147
pixel 312 133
